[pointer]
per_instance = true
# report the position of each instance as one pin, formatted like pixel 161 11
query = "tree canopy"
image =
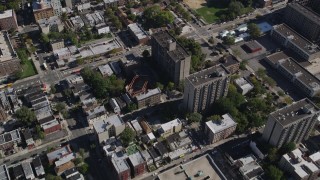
pixel 194 117
pixel 254 30
pixel 127 136
pixel 25 115
pixel 274 173
pixel 154 17
pixel 228 40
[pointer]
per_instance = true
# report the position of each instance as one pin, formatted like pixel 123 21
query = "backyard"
pixel 28 69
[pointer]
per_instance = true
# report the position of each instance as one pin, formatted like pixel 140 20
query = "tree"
pixel 60 106
pixel 270 81
pixel 83 169
pixel 127 136
pixel 44 38
pixel 53 177
pixel 254 30
pixel 108 12
pixel 211 40
pixel 78 161
pixel 273 155
pixel 236 8
pixel 146 53
pixel 243 64
pixel 228 40
pixel 53 89
pixel 40 132
pixel 170 86
pixel 214 118
pixel 2 7
pixel 64 17
pixel 288 147
pixel 132 17
pixel 15 4
pixel 194 117
pixel 274 173
pixel 132 107
pixel 155 17
pixel 25 115
pixel 82 152
pixel 159 85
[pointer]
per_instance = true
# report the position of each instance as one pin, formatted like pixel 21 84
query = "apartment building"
pixel 137 164
pixel 298 75
pixel 292 123
pixel 106 128
pixel 8 20
pixel 303 20
pixel 57 44
pixel 51 24
pixel 9 63
pixel 290 39
pixel 300 165
pixel 9 139
pixel 149 98
pixel 203 88
pixel 140 36
pixel 170 55
pixel 42 10
pixel 170 128
pixel 220 129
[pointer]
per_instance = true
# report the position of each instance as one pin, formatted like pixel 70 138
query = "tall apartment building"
pixel 292 123
pixel 303 20
pixel 44 9
pixel 203 88
pixel 170 55
pixel 8 20
pixel 290 39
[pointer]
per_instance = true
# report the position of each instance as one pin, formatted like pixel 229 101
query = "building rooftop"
pixel 138 31
pixel 169 125
pixel 275 57
pixel 27 169
pixel 295 111
pixel 300 73
pixel 59 153
pixel 4 173
pixel 101 126
pixel 229 61
pixel 6 49
pixel 136 159
pixel 10 137
pixel 208 75
pixel 164 39
pixel 306 12
pixel 149 93
pixel 297 39
pixel 217 126
pixel 6 14
pixel 199 168
pixel 136 125
pixel 96 111
pixel 250 168
pixel 49 124
pixel 105 70
pixel 301 166
pixel 40 5
pixel 50 21
pixel 119 163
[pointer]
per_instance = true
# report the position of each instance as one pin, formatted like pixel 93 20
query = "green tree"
pixel 132 17
pixel 261 72
pixel 127 136
pixel 159 85
pixel 53 89
pixel 52 177
pixel 82 152
pixel 228 40
pixel 2 7
pixel 14 4
pixel 60 106
pixel 288 147
pixel 273 155
pixel 44 38
pixel 132 107
pixel 40 132
pixel 25 115
pixel 78 161
pixel 274 173
pixel 270 81
pixel 64 17
pixel 170 86
pixel 254 30
pixel 194 117
pixel 281 93
pixel 214 118
pixel 108 12
pixel 243 64
pixel 236 8
pixel 211 40
pixel 155 17
pixel 83 169
pixel 146 54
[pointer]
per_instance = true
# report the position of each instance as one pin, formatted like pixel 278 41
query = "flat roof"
pixel 59 153
pixel 138 31
pixel 149 93
pixel 301 74
pixel 105 70
pixel 27 169
pixel 6 49
pixel 217 126
pixel 196 169
pixel 136 159
pixel 299 165
pixel 136 125
pixel 120 163
pixel 6 14
pixel 50 21
pixel 164 38
pixel 4 173
pixel 294 112
pixel 102 125
pixel 275 57
pixel 208 75
pixel 229 61
pixel 306 12
pixel 169 125
pixel 10 136
pixel 296 38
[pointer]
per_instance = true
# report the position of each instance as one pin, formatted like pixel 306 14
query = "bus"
pixel 2 86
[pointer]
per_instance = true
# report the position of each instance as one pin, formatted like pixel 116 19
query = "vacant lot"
pixel 28 69
pixel 195 4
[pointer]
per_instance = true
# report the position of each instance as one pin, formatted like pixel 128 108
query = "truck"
pixel 45 66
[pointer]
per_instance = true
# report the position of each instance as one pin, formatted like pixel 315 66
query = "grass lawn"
pixel 209 14
pixel 28 69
